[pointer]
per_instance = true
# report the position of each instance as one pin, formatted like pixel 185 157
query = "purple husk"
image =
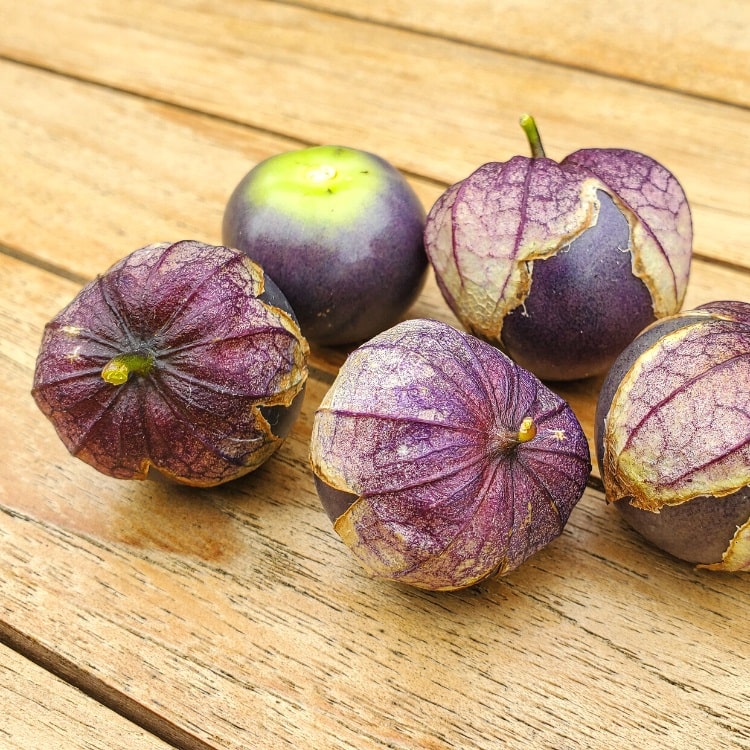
pixel 421 427
pixel 699 358
pixel 488 235
pixel 221 357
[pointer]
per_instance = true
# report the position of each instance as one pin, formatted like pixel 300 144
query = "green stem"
pixel 532 133
pixel 505 442
pixel 120 368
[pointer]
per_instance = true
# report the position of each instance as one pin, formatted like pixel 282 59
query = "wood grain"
pixel 234 617
pixel 98 173
pixel 42 711
pixel 435 108
pixel 236 613
pixel 104 194
pixel 682 45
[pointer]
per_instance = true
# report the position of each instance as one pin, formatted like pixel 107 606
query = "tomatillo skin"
pixel 562 264
pixel 182 359
pixel 440 461
pixel 673 435
pixel 340 231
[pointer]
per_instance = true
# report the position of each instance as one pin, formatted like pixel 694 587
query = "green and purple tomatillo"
pixel 440 461
pixel 673 435
pixel 184 358
pixel 340 231
pixel 562 264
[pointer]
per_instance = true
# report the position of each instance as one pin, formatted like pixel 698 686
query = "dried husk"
pixel 678 425
pixel 171 360
pixel 484 232
pixel 459 464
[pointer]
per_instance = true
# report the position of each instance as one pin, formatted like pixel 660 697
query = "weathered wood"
pixel 97 174
pixel 433 107
pixel 237 614
pixel 81 200
pixel 234 617
pixel 682 45
pixel 42 711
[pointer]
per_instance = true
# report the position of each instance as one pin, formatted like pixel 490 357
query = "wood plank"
pixel 684 45
pixel 234 617
pixel 42 711
pixel 97 174
pixel 238 617
pixel 88 189
pixel 435 108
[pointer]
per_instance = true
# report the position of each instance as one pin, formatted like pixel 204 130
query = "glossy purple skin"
pixel 280 418
pixel 418 459
pixel 563 334
pixel 227 376
pixel 345 285
pixel 562 265
pixel 699 530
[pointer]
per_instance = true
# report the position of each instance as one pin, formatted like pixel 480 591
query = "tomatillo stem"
pixel 506 441
pixel 120 368
pixel 527 430
pixel 322 173
pixel 532 133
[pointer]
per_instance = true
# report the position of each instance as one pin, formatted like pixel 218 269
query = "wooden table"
pixel 134 615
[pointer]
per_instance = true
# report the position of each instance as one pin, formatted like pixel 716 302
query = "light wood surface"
pixel 234 617
pixel 42 711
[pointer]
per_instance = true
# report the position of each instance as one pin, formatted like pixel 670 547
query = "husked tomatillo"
pixel 182 358
pixel 673 435
pixel 340 231
pixel 562 264
pixel 440 461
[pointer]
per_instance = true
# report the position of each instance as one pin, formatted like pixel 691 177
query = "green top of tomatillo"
pixel 304 182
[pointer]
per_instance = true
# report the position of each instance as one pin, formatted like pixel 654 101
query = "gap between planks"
pixel 96 689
